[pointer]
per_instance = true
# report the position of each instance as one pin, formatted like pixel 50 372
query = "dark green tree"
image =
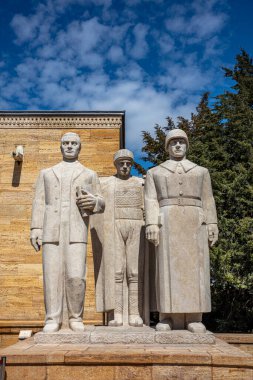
pixel 221 139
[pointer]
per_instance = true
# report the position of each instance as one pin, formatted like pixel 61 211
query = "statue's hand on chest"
pixel 85 201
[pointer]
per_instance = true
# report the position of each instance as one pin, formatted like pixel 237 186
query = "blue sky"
pixel 152 58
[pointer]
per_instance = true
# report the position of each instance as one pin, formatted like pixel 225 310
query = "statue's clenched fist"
pixel 152 234
pixel 36 238
pixel 212 233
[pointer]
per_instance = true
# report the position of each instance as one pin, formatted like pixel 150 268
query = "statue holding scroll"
pixel 181 222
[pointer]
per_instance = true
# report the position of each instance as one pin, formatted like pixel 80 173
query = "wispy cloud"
pixel 198 20
pixel 140 47
pixel 95 55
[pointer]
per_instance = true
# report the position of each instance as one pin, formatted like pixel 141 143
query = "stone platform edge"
pixel 218 361
pixel 123 335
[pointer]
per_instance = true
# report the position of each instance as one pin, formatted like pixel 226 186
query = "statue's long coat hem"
pixel 102 232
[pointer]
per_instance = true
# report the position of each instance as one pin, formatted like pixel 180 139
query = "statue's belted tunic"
pixel 128 224
pixel 178 197
pixel 119 231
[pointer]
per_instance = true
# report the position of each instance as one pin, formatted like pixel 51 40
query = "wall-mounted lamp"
pixel 18 155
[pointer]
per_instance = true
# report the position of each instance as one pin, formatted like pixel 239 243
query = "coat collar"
pixel 57 169
pixel 172 165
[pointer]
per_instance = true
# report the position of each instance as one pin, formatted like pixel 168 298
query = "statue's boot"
pixel 51 327
pixel 76 326
pixel 118 311
pixel 194 323
pixel 135 320
pixel 134 300
pixel 117 321
pixel 196 327
pixel 164 325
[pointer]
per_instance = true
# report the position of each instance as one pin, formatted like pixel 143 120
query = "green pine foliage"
pixel 221 139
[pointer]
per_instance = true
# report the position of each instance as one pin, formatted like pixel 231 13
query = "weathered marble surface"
pixel 181 222
pixel 60 219
pixel 110 335
pixel 183 337
pixel 118 237
pixel 64 336
pixel 124 335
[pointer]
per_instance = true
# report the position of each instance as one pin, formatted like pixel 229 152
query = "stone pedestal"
pixel 219 361
pixel 123 335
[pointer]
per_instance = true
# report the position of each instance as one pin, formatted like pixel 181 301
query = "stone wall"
pixel 21 288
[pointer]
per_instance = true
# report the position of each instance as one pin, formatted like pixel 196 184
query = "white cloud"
pixel 114 61
pixel 131 71
pixel 64 3
pixel 206 25
pixel 196 19
pixel 213 47
pixel 115 54
pixel 140 47
pixel 35 28
pixel 165 42
pixel 60 6
pixel 25 28
pixel 186 81
pixel 81 41
pixel 177 24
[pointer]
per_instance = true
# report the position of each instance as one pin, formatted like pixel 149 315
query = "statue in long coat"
pixel 181 221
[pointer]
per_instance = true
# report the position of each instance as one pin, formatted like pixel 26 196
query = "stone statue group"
pixel 173 213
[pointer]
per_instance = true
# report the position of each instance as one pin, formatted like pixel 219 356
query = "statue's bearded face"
pixel 177 148
pixel 123 167
pixel 70 147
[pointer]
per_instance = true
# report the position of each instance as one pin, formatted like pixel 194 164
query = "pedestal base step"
pixel 220 361
pixel 123 335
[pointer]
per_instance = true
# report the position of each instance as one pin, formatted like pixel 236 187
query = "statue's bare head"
pixel 70 146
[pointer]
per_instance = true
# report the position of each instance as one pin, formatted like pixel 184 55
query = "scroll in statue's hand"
pixel 213 233
pixel 152 234
pixel 36 238
pixel 85 200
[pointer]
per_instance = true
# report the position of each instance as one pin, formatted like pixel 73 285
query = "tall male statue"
pixel 122 225
pixel 181 221
pixel 60 221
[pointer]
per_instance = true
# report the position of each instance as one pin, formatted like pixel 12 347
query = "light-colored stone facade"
pixel 21 288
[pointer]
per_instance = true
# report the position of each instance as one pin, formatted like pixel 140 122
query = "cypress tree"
pixel 232 258
pixel 221 140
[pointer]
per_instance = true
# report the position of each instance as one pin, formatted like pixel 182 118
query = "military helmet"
pixel 123 154
pixel 176 134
